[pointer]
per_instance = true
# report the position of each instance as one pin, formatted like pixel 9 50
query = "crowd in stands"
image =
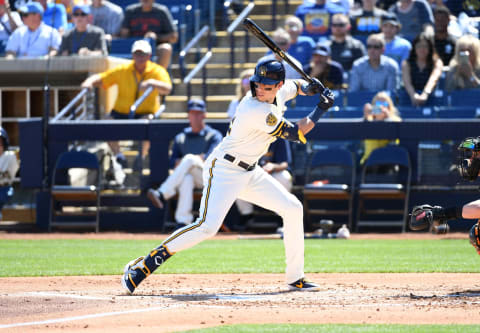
pixel 67 27
pixel 357 38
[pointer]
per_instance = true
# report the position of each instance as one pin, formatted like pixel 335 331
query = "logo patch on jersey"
pixel 271 119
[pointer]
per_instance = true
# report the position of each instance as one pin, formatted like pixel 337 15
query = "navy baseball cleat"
pixel 156 198
pixel 133 274
pixel 137 270
pixel 303 285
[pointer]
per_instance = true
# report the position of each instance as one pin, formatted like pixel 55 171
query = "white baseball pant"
pixel 284 177
pixel 224 182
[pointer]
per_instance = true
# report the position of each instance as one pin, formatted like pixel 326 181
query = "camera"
pixel 376 110
pixel 464 56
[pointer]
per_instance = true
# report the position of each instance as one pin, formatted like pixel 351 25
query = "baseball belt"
pixel 241 164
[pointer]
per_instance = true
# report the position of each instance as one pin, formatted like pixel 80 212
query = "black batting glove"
pixel 312 88
pixel 326 99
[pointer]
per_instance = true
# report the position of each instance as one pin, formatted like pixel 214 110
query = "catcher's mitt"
pixel 474 237
pixel 426 216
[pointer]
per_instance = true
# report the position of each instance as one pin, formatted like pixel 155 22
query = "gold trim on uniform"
pixel 278 130
pixel 271 119
pixel 198 223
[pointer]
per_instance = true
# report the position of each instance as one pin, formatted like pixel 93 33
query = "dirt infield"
pixel 173 302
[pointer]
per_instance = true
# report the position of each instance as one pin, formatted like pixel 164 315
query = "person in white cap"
pixel 130 87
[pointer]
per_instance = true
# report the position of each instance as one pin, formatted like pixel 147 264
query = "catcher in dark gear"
pixel 436 217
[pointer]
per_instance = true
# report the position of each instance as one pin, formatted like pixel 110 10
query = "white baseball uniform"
pixel 226 178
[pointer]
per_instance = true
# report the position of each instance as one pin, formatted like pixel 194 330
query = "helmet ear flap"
pixel 252 88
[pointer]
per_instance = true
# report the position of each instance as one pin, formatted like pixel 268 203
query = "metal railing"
pixel 230 30
pixel 201 65
pixel 78 108
pixel 139 101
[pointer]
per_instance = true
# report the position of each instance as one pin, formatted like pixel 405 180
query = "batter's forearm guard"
pixel 286 130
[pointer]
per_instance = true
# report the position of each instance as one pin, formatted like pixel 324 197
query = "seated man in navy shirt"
pixel 190 149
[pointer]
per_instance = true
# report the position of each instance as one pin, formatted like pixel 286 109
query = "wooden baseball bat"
pixel 260 34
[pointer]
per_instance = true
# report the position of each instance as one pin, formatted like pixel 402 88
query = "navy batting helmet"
pixel 4 137
pixel 267 72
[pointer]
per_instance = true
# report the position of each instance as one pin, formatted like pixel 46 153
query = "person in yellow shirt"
pixel 381 109
pixel 131 80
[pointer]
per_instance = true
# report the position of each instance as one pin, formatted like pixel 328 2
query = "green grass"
pixel 341 328
pixel 102 257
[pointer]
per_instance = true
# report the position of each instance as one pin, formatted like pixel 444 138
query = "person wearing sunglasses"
pixel 344 48
pixel 84 39
pixel 132 79
pixel 374 72
pixel 380 109
pixel 316 17
pixel 435 218
pixel 35 38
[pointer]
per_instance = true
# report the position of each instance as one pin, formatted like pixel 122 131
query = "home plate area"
pixel 172 302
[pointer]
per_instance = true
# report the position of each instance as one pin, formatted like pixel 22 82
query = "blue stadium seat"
pixel 122 47
pixel 345 112
pixel 463 97
pixel 359 98
pixel 412 112
pixel 468 112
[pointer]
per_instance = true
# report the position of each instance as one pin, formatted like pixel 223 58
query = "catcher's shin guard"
pixel 137 270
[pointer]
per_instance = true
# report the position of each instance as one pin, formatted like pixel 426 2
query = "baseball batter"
pixel 436 217
pixel 231 172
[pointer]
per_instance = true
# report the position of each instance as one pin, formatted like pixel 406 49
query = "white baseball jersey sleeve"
pixel 252 129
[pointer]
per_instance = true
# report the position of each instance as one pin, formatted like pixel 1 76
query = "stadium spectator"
pixel 414 15
pixel 464 71
pixel 242 88
pixel 316 17
pixel 148 19
pixel 35 38
pixel 444 41
pixel 344 48
pixel 367 19
pixel 322 67
pixel 282 38
pixel 145 74
pixel 8 170
pixel 396 47
pixel 9 21
pixel 374 71
pixel 84 39
pixel 422 70
pixel 275 162
pixel 107 16
pixel 380 109
pixel 301 47
pixel 54 15
pixel 190 149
